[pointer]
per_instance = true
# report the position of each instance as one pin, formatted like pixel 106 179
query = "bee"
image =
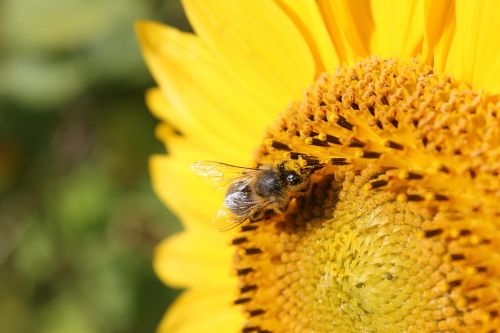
pixel 252 191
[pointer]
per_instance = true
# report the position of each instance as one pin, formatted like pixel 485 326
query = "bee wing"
pixel 221 174
pixel 227 220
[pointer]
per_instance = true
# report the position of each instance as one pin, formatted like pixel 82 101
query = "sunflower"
pixel 393 104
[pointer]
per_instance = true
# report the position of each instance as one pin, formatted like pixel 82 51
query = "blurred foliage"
pixel 78 219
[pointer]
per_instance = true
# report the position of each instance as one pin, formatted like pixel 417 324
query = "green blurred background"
pixel 78 219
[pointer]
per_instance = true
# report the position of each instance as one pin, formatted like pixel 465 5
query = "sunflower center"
pixel 398 231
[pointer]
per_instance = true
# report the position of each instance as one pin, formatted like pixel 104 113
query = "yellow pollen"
pixel 399 230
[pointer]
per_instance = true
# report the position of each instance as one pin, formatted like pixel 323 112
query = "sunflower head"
pixel 384 240
pixel 386 118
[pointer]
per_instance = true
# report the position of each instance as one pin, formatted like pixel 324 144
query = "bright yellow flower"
pixel 396 104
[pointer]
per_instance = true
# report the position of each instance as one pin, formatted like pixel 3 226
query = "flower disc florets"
pixel 399 231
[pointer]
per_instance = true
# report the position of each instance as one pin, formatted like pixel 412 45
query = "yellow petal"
pixel 184 192
pixel 161 108
pixel 187 151
pixel 307 17
pixel 350 26
pixel 200 138
pixel 439 28
pixel 207 310
pixel 198 257
pixel 258 41
pixel 398 28
pixel 475 50
pixel 389 28
pixel 203 96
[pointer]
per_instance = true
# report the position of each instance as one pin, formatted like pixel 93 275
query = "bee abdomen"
pixel 239 199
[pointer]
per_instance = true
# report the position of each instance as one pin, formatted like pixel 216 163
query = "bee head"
pixel 289 175
pixel 293 178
